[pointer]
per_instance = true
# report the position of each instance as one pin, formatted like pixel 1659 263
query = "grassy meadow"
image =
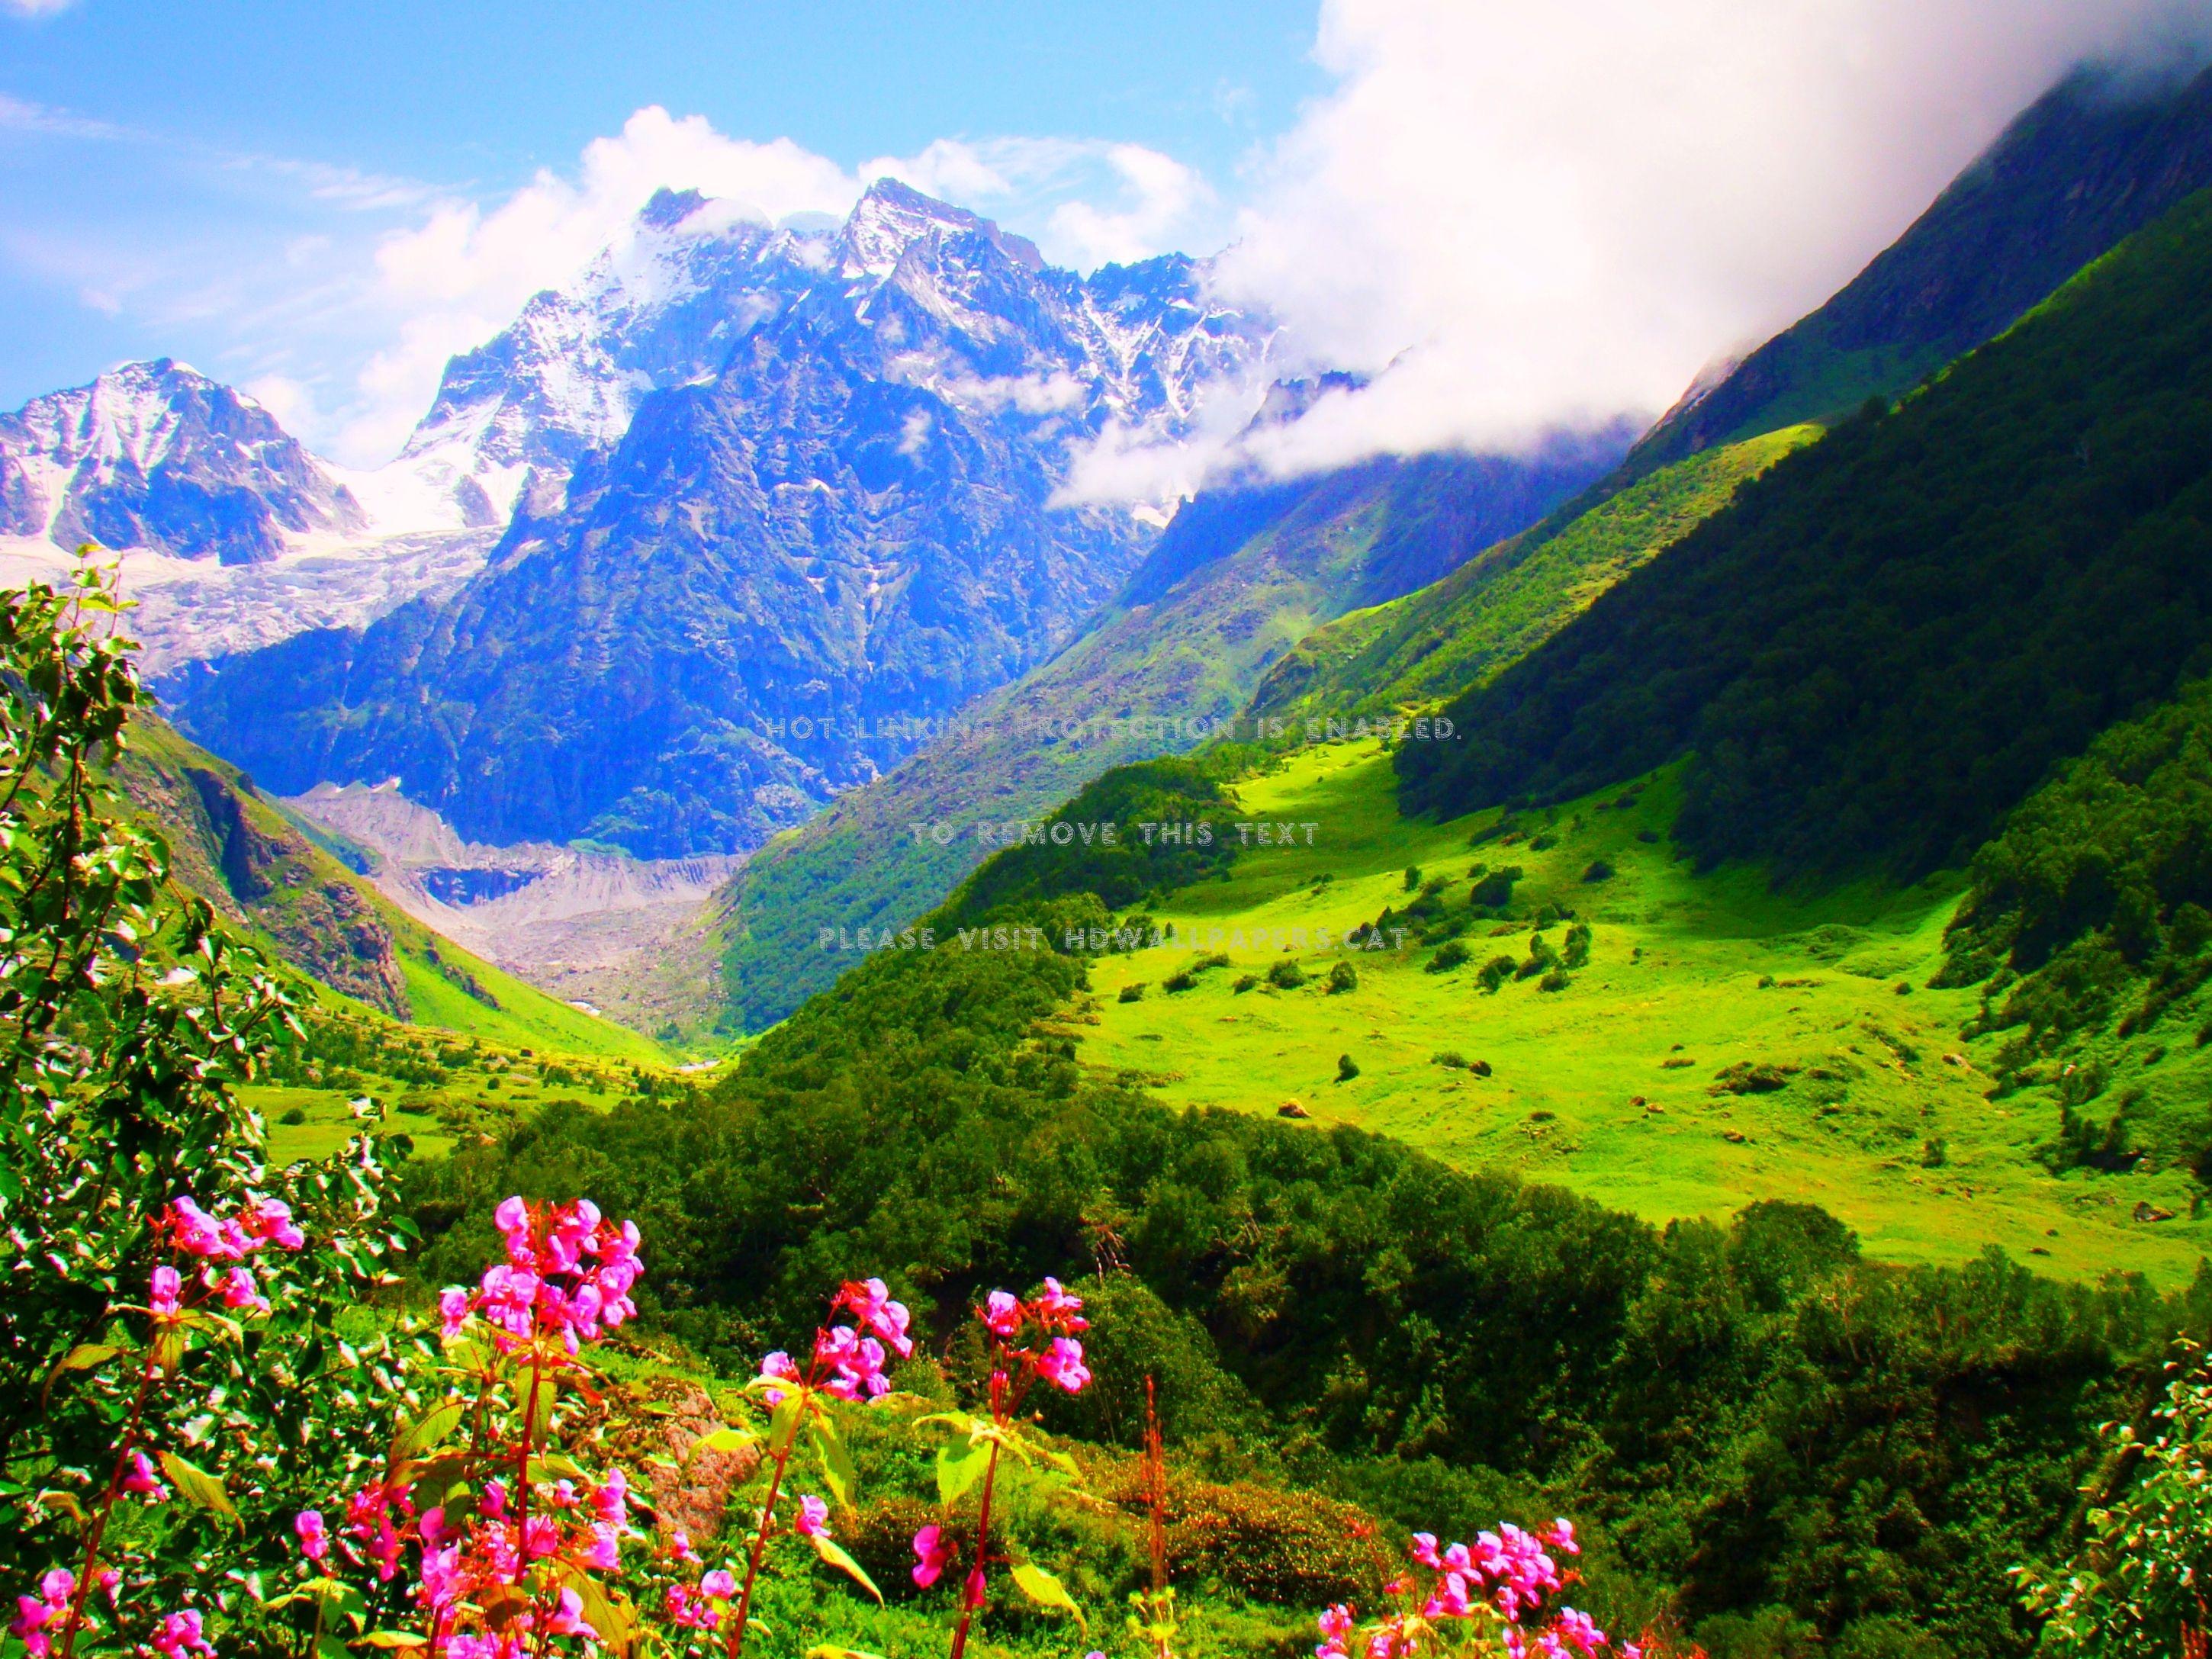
pixel 1856 1090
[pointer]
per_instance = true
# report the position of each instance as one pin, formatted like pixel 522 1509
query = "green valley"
pixel 1724 1044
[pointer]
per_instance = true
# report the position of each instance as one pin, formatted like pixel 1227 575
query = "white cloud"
pixel 36 8
pixel 1516 216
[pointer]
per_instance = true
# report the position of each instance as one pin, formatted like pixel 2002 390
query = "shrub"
pixel 1133 992
pixel 1287 975
pixel 1450 1059
pixel 1454 953
pixel 1597 871
pixel 1413 876
pixel 1576 950
pixel 1347 1068
pixel 1343 977
pixel 1244 982
pixel 1494 890
pixel 1495 972
pixel 1554 981
pixel 1182 980
pixel 293 1116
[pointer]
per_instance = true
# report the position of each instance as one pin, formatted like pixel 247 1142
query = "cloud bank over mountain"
pixel 1514 217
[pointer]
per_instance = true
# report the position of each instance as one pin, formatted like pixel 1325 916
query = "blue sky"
pixel 1512 216
pixel 179 177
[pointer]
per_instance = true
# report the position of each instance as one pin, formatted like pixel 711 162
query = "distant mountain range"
pixel 844 515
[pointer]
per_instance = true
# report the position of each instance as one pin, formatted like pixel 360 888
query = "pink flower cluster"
pixel 1507 1575
pixel 568 1272
pixel 1508 1568
pixel 185 1227
pixel 37 1615
pixel 848 1360
pixel 701 1608
pixel 463 1558
pixel 1057 1317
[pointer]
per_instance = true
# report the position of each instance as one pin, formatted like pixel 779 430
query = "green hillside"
pixel 1160 672
pixel 1722 1044
pixel 310 911
pixel 1886 640
pixel 1432 644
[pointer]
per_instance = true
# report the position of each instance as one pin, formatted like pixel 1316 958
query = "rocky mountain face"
pixel 157 456
pixel 2091 162
pixel 782 569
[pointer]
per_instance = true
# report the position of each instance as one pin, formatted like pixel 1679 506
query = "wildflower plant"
pixel 1496 1597
pixel 1029 1341
pixel 171 1374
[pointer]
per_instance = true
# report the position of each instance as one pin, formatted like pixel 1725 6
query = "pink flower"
pixel 197 1232
pixel 680 1546
pixel 180 1634
pixel 813 1518
pixel 453 1310
pixel 567 1618
pixel 718 1583
pixel 775 1369
pixel 933 1555
pixel 1062 1364
pixel 1061 1311
pixel 239 1290
pixel 1002 1314
pixel 493 1503
pixel 610 1502
pixel 33 1613
pixel 687 1610
pixel 605 1554
pixel 1561 1537
pixel 168 1282
pixel 314 1540
pixel 138 1478
pixel 541 1536
pixel 272 1223
pixel 1580 1631
pixel 512 1218
pixel 1425 1550
pixel 871 1303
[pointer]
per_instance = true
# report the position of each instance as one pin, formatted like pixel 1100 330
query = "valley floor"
pixel 1859 1093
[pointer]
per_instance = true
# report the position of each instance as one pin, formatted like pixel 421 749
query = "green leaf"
pixel 1046 1591
pixel 199 1487
pixel 555 1466
pixel 611 1619
pixel 831 1650
pixel 959 1467
pixel 539 1404
pixel 725 1440
pixel 427 1431
pixel 168 1348
pixel 392 1638
pixel 85 1356
pixel 836 1463
pixel 833 1554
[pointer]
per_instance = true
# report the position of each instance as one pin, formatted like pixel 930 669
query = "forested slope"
pixel 1884 643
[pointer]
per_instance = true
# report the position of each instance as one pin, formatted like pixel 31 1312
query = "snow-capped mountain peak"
pixel 156 455
pixel 891 216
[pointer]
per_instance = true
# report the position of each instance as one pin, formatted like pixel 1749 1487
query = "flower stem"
pixel 107 1506
pixel 971 1590
pixel 782 1462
